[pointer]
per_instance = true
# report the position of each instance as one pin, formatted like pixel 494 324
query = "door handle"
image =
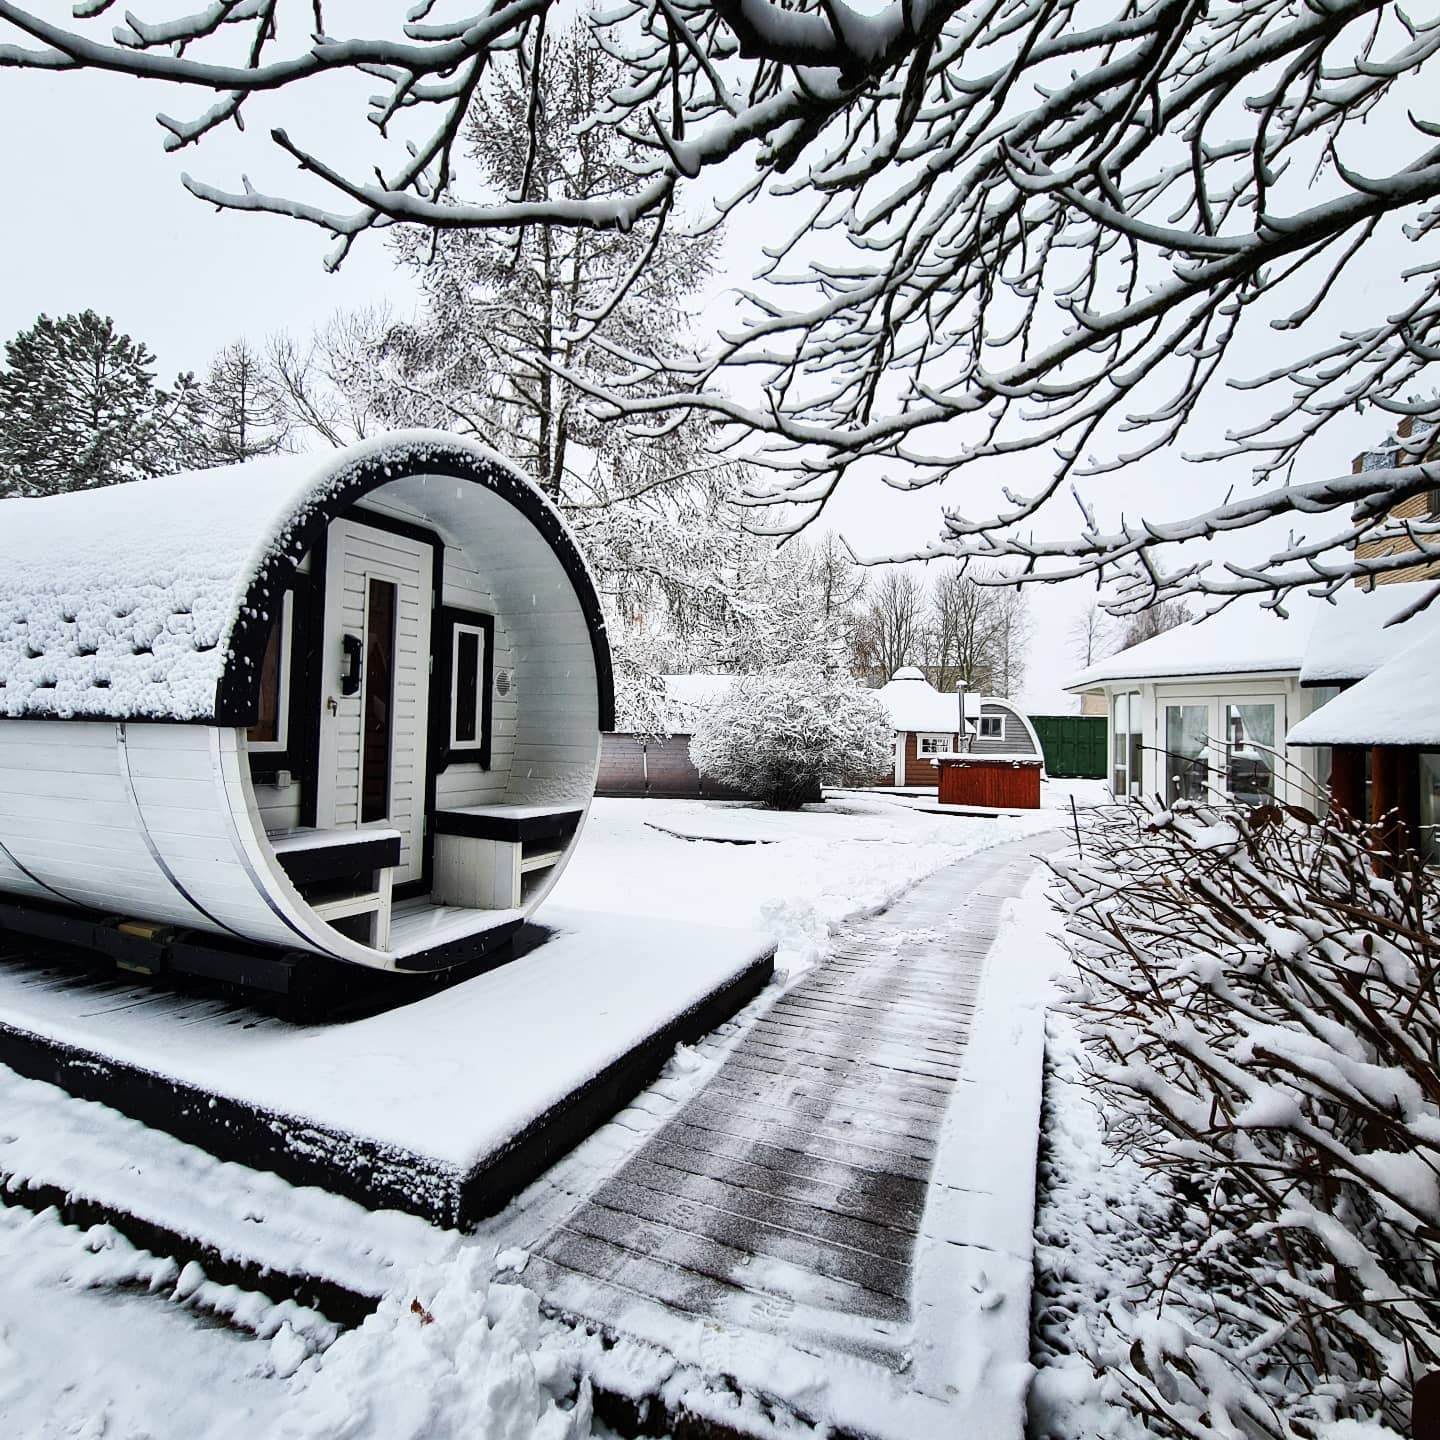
pixel 352 664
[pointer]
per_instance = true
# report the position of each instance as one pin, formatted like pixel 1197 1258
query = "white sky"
pixel 106 224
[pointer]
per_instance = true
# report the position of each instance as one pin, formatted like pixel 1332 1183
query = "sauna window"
pixel 378 711
pixel 992 727
pixel 270 732
pixel 469 668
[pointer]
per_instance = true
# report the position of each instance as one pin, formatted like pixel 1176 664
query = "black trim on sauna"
pixel 507 827
pixel 310 686
pixel 442 692
pixel 237 694
pixel 492 946
pixel 317 864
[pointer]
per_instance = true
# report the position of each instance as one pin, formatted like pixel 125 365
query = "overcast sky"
pixel 104 223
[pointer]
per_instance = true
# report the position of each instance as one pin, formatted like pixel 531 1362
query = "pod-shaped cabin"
pixel 346 706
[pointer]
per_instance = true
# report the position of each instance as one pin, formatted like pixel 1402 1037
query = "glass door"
pixel 1251 753
pixel 1127 744
pixel 1187 757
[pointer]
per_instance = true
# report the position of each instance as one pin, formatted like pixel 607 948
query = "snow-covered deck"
pixel 443 1107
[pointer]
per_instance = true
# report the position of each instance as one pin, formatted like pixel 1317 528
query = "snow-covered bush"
pixel 781 734
pixel 1261 1011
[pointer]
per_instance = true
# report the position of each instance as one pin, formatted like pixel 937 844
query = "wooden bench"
pixel 488 856
pixel 343 873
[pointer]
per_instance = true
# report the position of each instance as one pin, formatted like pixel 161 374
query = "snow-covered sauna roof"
pixel 1397 704
pixel 1354 636
pixel 152 600
pixel 913 703
pixel 1241 639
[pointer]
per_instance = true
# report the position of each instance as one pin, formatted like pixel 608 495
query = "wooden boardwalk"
pixel 785 1198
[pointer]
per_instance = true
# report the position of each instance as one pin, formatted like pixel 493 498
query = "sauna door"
pixel 374 693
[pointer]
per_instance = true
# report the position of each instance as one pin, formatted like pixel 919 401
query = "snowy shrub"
pixel 1261 1013
pixel 781 734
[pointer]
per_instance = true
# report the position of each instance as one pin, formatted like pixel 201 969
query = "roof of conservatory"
pixel 1241 639
pixel 150 600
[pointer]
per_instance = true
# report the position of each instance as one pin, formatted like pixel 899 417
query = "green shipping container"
pixel 1074 745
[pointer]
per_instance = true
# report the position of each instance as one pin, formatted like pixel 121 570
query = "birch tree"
pixel 1023 227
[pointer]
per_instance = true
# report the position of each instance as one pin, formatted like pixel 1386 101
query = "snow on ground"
pixel 86 1352
pixel 1091 1253
pixel 450 1354
pixel 796 875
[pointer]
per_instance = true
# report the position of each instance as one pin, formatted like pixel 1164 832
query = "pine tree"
pixel 79 408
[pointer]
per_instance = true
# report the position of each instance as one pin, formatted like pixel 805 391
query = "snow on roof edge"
pixel 122 603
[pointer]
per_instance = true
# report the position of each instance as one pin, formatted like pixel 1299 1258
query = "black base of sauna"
pixel 300 986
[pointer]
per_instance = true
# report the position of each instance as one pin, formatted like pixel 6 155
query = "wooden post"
pixel 1347 780
pixel 1394 796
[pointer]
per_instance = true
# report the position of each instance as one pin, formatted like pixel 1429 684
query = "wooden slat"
pixel 792 1185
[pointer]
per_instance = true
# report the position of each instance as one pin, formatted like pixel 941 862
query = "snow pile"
pixel 451 1356
pixel 1261 1017
pixel 89 1348
pixel 1095 1257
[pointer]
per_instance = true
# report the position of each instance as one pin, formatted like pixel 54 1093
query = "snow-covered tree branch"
pixel 1023 227
pixel 1259 1007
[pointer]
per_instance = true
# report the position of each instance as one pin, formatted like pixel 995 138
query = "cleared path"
pixel 786 1197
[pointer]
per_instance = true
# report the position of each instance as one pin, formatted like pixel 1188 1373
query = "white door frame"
pixel 359 552
pixel 1215 700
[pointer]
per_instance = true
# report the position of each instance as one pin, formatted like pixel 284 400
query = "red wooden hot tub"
pixel 1003 782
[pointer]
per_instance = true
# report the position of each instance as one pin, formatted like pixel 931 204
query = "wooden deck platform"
pixel 444 1107
pixel 786 1209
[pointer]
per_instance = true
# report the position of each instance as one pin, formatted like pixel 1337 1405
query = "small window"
pixel 271 731
pixel 467 659
pixel 992 727
pixel 934 744
pixel 465 669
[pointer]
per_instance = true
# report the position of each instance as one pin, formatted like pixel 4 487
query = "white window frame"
pixel 282 699
pixel 459 628
pixel 943 743
pixel 986 733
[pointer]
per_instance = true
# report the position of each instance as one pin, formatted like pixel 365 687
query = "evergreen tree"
pixel 79 408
